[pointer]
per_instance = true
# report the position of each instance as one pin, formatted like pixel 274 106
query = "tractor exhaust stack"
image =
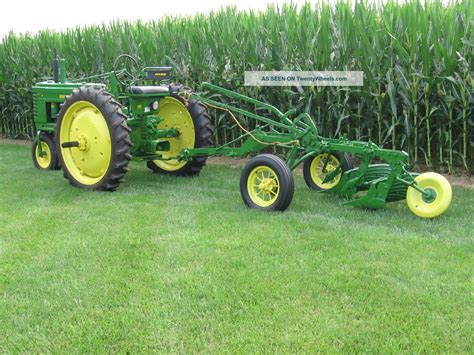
pixel 56 66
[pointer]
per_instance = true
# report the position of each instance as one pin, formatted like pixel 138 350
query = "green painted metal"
pixel 38 144
pixel 428 195
pixel 294 131
pixel 301 134
pixel 147 140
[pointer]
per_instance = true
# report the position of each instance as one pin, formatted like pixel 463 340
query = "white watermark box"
pixel 304 78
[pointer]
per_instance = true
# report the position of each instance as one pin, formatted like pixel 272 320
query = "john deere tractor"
pixel 93 133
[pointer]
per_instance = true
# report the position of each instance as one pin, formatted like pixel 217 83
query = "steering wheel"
pixel 129 71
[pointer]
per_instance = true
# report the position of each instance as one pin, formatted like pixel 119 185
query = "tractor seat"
pixel 143 90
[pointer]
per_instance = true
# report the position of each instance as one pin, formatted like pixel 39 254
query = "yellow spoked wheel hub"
pixel 435 199
pixel 263 186
pixel 175 115
pixel 84 123
pixel 322 165
pixel 44 161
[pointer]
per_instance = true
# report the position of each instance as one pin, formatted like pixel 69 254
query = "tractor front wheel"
pixel 267 183
pixel 48 160
pixel 92 139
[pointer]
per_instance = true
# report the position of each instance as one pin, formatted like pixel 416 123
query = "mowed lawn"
pixel 181 265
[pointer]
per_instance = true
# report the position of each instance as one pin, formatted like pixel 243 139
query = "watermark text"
pixel 304 78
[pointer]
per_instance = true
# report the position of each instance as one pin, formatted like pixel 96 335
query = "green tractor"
pixel 92 132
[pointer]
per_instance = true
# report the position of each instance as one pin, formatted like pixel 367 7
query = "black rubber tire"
pixel 119 136
pixel 54 164
pixel 285 177
pixel 203 134
pixel 347 164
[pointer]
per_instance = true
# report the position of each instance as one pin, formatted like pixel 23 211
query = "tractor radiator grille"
pixel 35 105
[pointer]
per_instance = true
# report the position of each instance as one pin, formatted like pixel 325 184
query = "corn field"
pixel 416 58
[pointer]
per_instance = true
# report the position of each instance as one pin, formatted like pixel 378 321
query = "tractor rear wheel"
pixel 267 183
pixel 317 167
pixel 195 131
pixel 49 159
pixel 93 140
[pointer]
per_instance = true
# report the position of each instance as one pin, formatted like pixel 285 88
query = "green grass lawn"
pixel 181 265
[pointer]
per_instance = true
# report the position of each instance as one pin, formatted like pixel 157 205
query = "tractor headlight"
pixel 154 105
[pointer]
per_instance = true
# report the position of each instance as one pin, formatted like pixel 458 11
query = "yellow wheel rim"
pixel 45 161
pixel 263 186
pixel 84 123
pixel 318 173
pixel 438 201
pixel 175 115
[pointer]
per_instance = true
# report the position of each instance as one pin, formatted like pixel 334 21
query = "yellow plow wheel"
pixel 267 183
pixel 437 199
pixel 315 169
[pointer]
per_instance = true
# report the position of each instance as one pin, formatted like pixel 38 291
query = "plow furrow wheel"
pixel 436 198
pixel 267 183
pixel 316 168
